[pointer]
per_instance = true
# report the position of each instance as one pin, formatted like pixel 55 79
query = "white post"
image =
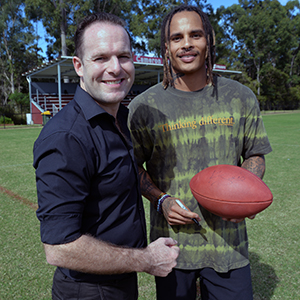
pixel 59 85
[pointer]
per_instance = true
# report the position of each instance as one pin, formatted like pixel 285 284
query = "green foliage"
pixel 266 40
pixel 5 120
pixel 255 25
pixel 16 108
pixel 18 49
pixel 294 96
pixel 19 100
pixel 149 21
pixel 65 15
pixel 274 84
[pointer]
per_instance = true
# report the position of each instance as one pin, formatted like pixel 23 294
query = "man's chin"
pixel 111 99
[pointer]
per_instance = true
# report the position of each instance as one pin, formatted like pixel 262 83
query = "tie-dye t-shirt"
pixel 177 134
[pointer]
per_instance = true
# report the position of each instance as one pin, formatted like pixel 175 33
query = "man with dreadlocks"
pixel 191 121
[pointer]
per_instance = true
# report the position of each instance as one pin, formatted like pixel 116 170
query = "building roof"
pixel 148 70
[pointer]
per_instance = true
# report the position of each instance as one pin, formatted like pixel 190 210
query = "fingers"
pixel 252 217
pixel 163 254
pixel 175 215
pixel 169 242
pixel 239 220
pixel 233 220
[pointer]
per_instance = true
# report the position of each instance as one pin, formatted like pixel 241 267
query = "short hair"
pixel 165 38
pixel 101 17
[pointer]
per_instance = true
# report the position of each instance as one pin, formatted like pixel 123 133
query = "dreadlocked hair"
pixel 165 39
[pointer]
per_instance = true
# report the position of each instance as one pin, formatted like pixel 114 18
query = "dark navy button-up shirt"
pixel 87 179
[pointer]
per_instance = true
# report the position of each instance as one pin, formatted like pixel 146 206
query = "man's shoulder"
pixel 70 121
pixel 157 88
pixel 226 83
pixel 151 92
pixel 64 118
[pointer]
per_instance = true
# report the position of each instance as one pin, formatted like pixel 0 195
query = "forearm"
pixel 148 188
pixel 89 255
pixel 255 164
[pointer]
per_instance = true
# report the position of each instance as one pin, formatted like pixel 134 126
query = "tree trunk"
pixel 10 76
pixel 257 66
pixel 258 79
pixel 63 29
pixel 294 54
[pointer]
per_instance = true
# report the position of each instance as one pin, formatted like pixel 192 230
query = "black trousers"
pixel 181 285
pixel 65 288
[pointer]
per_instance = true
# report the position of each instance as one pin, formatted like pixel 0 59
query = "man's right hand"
pixel 175 215
pixel 161 256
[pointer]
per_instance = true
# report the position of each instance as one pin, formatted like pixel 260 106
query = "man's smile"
pixel 112 81
pixel 187 54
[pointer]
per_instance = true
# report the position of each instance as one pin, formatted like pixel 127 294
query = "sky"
pixel 217 3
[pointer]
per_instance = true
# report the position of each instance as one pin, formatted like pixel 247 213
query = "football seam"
pixel 232 202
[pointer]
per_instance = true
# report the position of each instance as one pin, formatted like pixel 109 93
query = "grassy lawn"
pixel 274 234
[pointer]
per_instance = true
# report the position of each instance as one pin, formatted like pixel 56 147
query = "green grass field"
pixel 274 234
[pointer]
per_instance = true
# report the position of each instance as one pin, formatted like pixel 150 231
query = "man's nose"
pixel 187 43
pixel 114 65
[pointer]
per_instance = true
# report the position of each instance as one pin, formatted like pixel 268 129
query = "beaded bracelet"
pixel 156 201
pixel 160 202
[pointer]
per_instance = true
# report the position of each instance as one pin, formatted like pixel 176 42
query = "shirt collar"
pixel 89 106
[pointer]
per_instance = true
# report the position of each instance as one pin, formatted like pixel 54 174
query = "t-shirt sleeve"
pixel 62 180
pixel 256 141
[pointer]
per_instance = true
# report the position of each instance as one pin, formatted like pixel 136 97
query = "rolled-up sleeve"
pixel 62 178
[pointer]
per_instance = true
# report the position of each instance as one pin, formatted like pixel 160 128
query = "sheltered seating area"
pixel 52 85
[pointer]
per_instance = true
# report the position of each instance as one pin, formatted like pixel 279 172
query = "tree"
pixel 261 32
pixel 143 17
pixel 262 38
pixel 146 23
pixel 54 16
pixel 65 15
pixel 18 105
pixel 18 50
pixel 294 51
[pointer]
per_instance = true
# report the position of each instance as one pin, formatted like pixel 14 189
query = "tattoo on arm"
pixel 148 188
pixel 255 164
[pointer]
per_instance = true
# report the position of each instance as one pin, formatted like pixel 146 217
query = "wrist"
pixel 155 203
pixel 141 262
pixel 160 201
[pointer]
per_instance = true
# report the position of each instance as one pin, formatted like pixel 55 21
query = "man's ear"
pixel 77 63
pixel 167 50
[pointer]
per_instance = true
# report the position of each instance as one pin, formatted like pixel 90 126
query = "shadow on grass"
pixel 264 278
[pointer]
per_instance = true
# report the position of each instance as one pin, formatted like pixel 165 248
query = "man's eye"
pixel 176 39
pixel 197 36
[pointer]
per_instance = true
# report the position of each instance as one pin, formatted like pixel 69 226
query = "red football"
pixel 230 191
